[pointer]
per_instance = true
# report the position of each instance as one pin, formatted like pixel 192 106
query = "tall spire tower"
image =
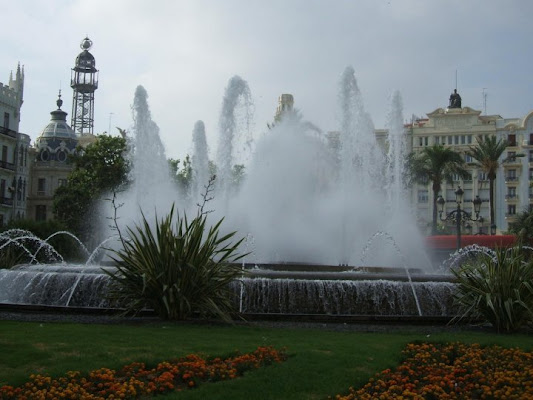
pixel 84 81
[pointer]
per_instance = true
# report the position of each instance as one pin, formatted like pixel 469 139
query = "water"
pixel 346 297
pixel 72 285
pixel 234 127
pixel 303 200
pixel 154 189
pixel 306 200
pixel 199 162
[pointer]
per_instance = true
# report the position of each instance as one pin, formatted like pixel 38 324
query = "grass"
pixel 321 362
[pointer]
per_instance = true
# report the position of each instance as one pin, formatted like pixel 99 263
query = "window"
pixel 423 196
pixel 482 176
pixel 511 209
pixel 437 139
pixel 19 189
pixel 469 139
pixel 6 120
pixel 61 156
pixel 511 155
pixel 61 182
pixel 511 193
pixel 450 139
pixel 456 140
pixel 468 178
pixel 41 185
pixel 512 140
pixel 463 139
pixel 40 212
pixel 468 158
pixel 530 155
pixel 511 175
pixel 2 188
pixel 4 154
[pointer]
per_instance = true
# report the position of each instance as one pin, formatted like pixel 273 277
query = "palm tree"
pixel 436 164
pixel 487 153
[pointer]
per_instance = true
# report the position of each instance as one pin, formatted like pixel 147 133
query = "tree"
pixel 523 226
pixel 487 153
pixel 99 168
pixel 436 164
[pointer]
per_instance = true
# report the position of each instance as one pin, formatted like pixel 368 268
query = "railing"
pixel 511 197
pixel 7 165
pixel 514 178
pixel 8 132
pixel 6 201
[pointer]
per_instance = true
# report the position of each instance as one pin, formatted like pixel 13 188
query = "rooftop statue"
pixel 455 100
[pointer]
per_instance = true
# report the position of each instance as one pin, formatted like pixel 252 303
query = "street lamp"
pixel 458 215
pixel 480 226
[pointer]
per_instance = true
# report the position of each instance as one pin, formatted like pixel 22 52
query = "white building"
pixel 14 163
pixel 458 128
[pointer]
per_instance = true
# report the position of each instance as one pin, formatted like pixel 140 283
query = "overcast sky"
pixel 184 53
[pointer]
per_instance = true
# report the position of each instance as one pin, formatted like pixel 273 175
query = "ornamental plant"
pixel 452 371
pixel 136 380
pixel 497 289
pixel 178 268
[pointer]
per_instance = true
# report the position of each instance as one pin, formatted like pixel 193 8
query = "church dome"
pixel 57 139
pixel 58 127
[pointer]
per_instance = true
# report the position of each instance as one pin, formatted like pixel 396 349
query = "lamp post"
pixel 458 215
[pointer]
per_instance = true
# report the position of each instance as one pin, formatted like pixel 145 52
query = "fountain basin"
pixel 282 289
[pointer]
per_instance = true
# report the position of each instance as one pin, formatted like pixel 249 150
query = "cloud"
pixel 184 53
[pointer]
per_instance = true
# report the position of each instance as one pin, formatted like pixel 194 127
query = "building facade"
pixel 30 175
pixel 458 128
pixel 14 147
pixel 50 164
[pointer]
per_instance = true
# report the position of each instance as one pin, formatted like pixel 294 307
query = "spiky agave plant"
pixel 497 289
pixel 177 268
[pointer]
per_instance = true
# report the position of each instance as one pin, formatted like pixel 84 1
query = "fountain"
pixel 328 227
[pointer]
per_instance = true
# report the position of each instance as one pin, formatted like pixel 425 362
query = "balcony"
pixel 513 162
pixel 8 132
pixel 5 201
pixel 511 179
pixel 510 217
pixel 511 197
pixel 527 143
pixel 6 165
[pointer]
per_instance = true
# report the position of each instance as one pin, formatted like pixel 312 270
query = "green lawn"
pixel 321 362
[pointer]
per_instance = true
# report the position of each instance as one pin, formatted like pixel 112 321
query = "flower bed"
pixel 453 371
pixel 135 380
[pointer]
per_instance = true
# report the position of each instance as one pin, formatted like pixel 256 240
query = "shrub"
pixel 176 270
pixel 497 289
